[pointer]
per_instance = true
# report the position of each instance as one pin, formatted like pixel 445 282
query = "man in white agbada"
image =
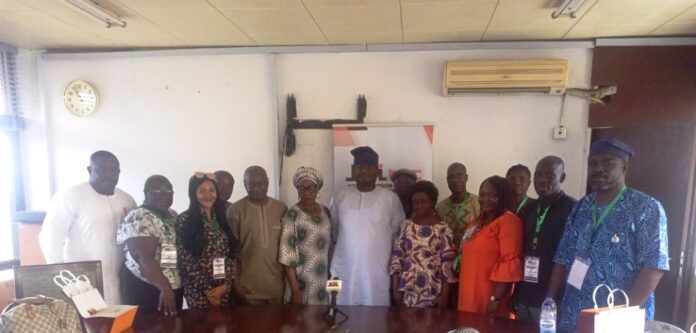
pixel 81 223
pixel 365 221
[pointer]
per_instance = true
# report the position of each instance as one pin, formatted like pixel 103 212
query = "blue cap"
pixel 364 155
pixel 612 146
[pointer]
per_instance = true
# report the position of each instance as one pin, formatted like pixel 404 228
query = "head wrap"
pixel 364 155
pixel 612 146
pixel 404 172
pixel 307 173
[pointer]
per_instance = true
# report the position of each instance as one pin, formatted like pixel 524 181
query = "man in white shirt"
pixel 81 223
pixel 365 220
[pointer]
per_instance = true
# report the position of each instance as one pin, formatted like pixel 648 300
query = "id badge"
pixel 219 268
pixel 578 272
pixel 168 256
pixel 531 269
pixel 468 233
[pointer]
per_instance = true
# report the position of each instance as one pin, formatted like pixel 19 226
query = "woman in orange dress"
pixel 491 252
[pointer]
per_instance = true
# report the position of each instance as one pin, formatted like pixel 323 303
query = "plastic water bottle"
pixel 547 320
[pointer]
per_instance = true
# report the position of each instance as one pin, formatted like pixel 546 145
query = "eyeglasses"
pixel 201 175
pixel 309 188
pixel 158 192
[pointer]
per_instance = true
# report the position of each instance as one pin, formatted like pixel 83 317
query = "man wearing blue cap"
pixel 365 220
pixel 615 236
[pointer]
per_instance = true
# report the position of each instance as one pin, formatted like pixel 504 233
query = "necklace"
pixel 313 209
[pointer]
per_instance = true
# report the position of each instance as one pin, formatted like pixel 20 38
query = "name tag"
pixel 577 273
pixel 219 268
pixel 168 256
pixel 468 233
pixel 531 269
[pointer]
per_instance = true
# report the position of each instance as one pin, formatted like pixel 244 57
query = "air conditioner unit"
pixel 547 77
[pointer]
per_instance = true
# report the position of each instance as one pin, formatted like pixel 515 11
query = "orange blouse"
pixel 493 254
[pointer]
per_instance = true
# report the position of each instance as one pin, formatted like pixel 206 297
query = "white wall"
pixel 177 114
pixel 170 115
pixel 486 133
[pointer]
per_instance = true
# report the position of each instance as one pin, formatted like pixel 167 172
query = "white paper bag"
pixel 628 319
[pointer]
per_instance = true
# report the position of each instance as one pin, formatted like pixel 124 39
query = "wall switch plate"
pixel 560 133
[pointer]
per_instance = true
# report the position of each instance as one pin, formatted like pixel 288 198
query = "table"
pixel 309 319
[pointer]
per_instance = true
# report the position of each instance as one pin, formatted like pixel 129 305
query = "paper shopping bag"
pixel 90 304
pixel 612 318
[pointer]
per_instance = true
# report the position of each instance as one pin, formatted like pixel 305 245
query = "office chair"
pixel 38 279
pixel 653 326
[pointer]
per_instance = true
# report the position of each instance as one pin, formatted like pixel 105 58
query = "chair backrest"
pixel 653 326
pixel 38 279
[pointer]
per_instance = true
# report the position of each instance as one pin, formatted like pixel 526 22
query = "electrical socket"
pixel 560 133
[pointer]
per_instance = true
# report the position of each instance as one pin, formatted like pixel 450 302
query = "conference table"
pixel 310 319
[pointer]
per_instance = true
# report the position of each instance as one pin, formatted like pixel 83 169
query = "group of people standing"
pixel 497 252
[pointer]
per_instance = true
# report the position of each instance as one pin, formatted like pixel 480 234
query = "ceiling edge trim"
pixel 356 48
pixel 650 41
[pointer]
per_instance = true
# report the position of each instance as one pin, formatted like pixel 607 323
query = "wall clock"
pixel 81 98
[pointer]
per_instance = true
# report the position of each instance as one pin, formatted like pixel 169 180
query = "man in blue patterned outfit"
pixel 615 236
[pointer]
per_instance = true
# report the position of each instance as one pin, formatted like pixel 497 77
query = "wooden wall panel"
pixel 655 85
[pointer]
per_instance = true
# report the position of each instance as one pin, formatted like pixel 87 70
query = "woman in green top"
pixel 150 278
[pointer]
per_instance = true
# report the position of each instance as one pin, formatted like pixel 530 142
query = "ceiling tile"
pixel 39 28
pixel 447 36
pixel 255 4
pixel 378 23
pixel 165 4
pixel 676 29
pixel 139 32
pixel 530 19
pixel 290 39
pixel 624 30
pixel 177 20
pixel 687 16
pixel 202 40
pixel 446 1
pixel 447 16
pixel 626 17
pixel 273 21
pixel 682 24
pixel 532 33
pixel 348 3
pixel 69 14
pixel 182 21
pixel 189 23
pixel 632 11
pixel 366 38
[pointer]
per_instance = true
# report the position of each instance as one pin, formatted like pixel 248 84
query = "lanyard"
pixel 524 201
pixel 460 211
pixel 596 223
pixel 215 228
pixel 539 221
pixel 165 221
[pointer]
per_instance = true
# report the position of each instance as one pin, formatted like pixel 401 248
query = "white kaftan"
pixel 364 226
pixel 81 225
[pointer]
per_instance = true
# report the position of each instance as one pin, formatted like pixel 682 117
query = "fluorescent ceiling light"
pixel 567 8
pixel 93 9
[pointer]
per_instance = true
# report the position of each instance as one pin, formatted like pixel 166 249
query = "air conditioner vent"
pixel 505 77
